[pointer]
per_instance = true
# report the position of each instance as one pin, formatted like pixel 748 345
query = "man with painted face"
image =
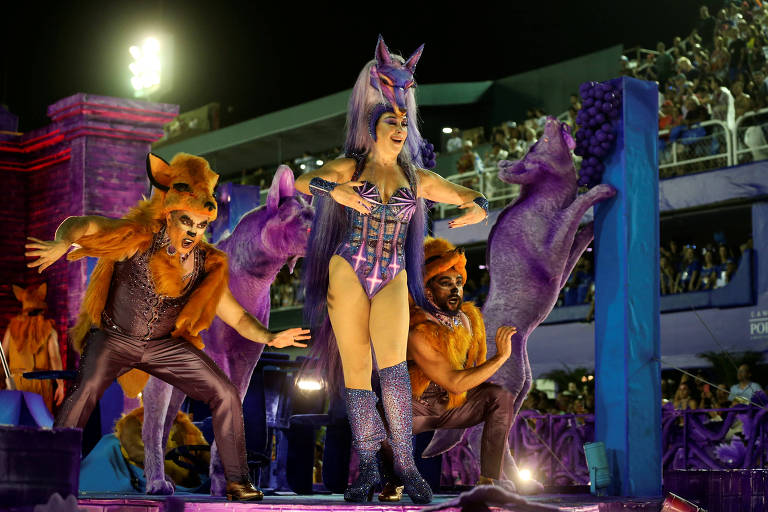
pixel 448 367
pixel 156 285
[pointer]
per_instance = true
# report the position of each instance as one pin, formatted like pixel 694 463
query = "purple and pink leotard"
pixel 375 243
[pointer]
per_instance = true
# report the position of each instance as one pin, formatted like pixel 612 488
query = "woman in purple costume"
pixel 365 256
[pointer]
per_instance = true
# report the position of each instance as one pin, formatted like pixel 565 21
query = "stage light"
pixel 150 66
pixel 447 130
pixel 303 166
pixel 525 475
pixel 482 267
pixel 306 384
pixel 599 472
pixel 319 163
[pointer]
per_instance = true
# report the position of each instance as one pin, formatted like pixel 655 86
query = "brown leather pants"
pixel 177 362
pixel 489 403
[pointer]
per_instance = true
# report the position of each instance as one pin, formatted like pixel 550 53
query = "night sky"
pixel 255 59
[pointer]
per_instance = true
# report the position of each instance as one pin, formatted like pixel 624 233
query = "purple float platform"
pixel 327 503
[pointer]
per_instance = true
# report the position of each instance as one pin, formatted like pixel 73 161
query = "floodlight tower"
pixel 151 67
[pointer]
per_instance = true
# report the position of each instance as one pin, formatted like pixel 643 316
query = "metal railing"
pixel 750 143
pixel 682 150
pixel 551 445
pixel 700 147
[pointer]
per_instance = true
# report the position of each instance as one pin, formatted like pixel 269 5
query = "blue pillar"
pixel 627 368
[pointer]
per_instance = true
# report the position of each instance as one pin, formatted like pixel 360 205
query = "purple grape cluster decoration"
pixel 600 109
pixel 428 155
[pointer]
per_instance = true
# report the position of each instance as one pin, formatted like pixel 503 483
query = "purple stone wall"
pixel 88 161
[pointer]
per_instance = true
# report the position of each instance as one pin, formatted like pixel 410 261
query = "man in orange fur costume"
pixel 31 344
pixel 156 285
pixel 448 367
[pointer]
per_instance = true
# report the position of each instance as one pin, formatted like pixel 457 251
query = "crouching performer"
pixel 448 367
pixel 156 285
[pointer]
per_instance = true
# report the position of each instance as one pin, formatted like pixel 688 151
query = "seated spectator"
pixel 685 67
pixel 669 116
pixel 673 254
pixel 741 100
pixel 709 400
pixel 723 108
pixel 726 266
pixel 708 272
pixel 529 139
pixel 695 112
pixel 468 162
pixel 706 27
pixel 720 60
pixel 664 64
pixel 455 142
pixel 668 276
pixel 741 393
pixel 738 50
pixel 683 399
pixel 494 156
pixel 690 268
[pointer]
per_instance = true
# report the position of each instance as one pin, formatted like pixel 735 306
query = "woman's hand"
pixel 345 193
pixel 47 252
pixel 473 215
pixel 289 338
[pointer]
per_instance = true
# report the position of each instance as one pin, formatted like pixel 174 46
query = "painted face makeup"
pixel 185 229
pixel 392 130
pixel 447 290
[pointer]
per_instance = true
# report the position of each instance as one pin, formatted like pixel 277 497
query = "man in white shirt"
pixel 742 392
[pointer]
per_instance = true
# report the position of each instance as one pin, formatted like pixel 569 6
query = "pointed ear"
pixel 282 186
pixel 159 172
pixel 375 77
pixel 18 291
pixel 410 64
pixel 42 291
pixel 382 53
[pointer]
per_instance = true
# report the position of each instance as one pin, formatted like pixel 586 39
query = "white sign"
pixel 758 324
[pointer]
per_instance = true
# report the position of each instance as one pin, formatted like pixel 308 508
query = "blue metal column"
pixel 627 368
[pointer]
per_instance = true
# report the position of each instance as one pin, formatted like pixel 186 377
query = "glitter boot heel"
pixel 367 434
pixel 396 398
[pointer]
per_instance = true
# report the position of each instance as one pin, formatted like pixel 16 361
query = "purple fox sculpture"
pixel 534 245
pixel 265 239
pixel 532 248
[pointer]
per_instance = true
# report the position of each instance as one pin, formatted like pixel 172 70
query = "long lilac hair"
pixel 331 224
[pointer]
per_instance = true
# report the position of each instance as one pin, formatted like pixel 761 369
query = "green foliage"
pixel 725 364
pixel 566 375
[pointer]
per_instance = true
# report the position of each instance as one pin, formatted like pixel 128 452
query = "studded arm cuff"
pixel 320 187
pixel 482 202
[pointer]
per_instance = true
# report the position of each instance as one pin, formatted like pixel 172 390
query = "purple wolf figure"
pixel 532 249
pixel 534 245
pixel 263 241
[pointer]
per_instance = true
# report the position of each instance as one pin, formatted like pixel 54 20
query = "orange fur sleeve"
pixel 200 309
pixel 478 349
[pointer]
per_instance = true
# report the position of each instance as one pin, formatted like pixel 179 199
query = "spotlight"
pixel 447 130
pixel 303 166
pixel 482 267
pixel 150 67
pixel 599 472
pixel 319 163
pixel 525 474
pixel 306 384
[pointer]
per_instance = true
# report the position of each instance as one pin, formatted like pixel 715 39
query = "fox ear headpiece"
pixel 32 297
pixel 186 183
pixel 441 255
pixel 392 77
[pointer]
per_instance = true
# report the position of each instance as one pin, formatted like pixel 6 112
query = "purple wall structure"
pixel 89 160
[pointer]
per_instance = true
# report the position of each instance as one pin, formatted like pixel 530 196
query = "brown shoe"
pixel 243 491
pixel 391 492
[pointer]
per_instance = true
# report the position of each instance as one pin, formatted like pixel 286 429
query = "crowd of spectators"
pixel 286 290
pixel 690 267
pixel 717 72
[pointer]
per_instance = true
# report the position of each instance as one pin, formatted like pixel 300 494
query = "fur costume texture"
pixel 534 245
pixel 464 348
pixel 183 432
pixel 262 242
pixel 28 349
pixel 134 233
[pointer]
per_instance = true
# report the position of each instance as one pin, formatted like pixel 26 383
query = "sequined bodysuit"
pixel 375 243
